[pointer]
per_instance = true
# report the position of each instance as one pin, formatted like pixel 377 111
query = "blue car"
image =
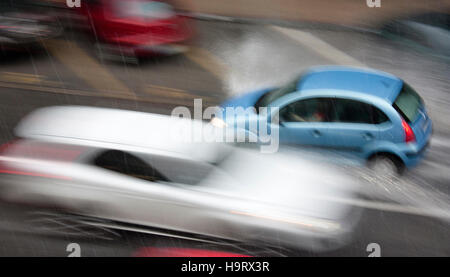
pixel 368 115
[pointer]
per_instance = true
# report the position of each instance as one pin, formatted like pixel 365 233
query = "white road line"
pixel 319 46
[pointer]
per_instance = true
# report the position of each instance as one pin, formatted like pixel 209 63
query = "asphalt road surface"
pixel 408 218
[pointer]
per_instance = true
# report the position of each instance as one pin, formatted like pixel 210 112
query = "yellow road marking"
pixel 150 98
pixel 153 93
pixel 87 68
pixel 174 91
pixel 45 89
pixel 207 61
pixel 21 78
pixel 26 78
pixel 174 96
pixel 23 74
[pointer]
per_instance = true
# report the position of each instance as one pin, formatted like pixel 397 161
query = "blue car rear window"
pixel 408 103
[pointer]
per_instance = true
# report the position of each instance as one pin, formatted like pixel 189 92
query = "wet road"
pixel 407 217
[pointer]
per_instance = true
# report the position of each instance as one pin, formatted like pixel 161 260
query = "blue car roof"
pixel 376 83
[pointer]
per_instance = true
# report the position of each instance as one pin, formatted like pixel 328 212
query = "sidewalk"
pixel 354 13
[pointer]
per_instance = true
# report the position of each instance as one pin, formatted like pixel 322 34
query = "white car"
pixel 138 170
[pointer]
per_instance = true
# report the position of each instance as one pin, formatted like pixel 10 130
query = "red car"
pixel 136 28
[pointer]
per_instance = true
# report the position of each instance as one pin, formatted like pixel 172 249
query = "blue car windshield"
pixel 273 95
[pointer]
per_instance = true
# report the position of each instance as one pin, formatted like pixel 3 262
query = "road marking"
pixel 25 78
pixel 155 93
pixel 87 68
pixel 48 89
pixel 175 94
pixel 16 77
pixel 318 46
pixel 166 91
pixel 150 98
pixel 207 61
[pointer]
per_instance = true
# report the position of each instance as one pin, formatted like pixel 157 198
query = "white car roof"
pixel 88 125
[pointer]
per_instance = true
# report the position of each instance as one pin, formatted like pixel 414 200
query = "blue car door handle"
pixel 367 136
pixel 316 133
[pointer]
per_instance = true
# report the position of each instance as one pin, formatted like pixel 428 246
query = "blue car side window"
pixel 308 110
pixel 352 111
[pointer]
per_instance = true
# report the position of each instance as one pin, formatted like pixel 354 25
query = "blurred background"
pixel 95 55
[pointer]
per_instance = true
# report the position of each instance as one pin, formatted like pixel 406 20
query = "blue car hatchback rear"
pixel 416 123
